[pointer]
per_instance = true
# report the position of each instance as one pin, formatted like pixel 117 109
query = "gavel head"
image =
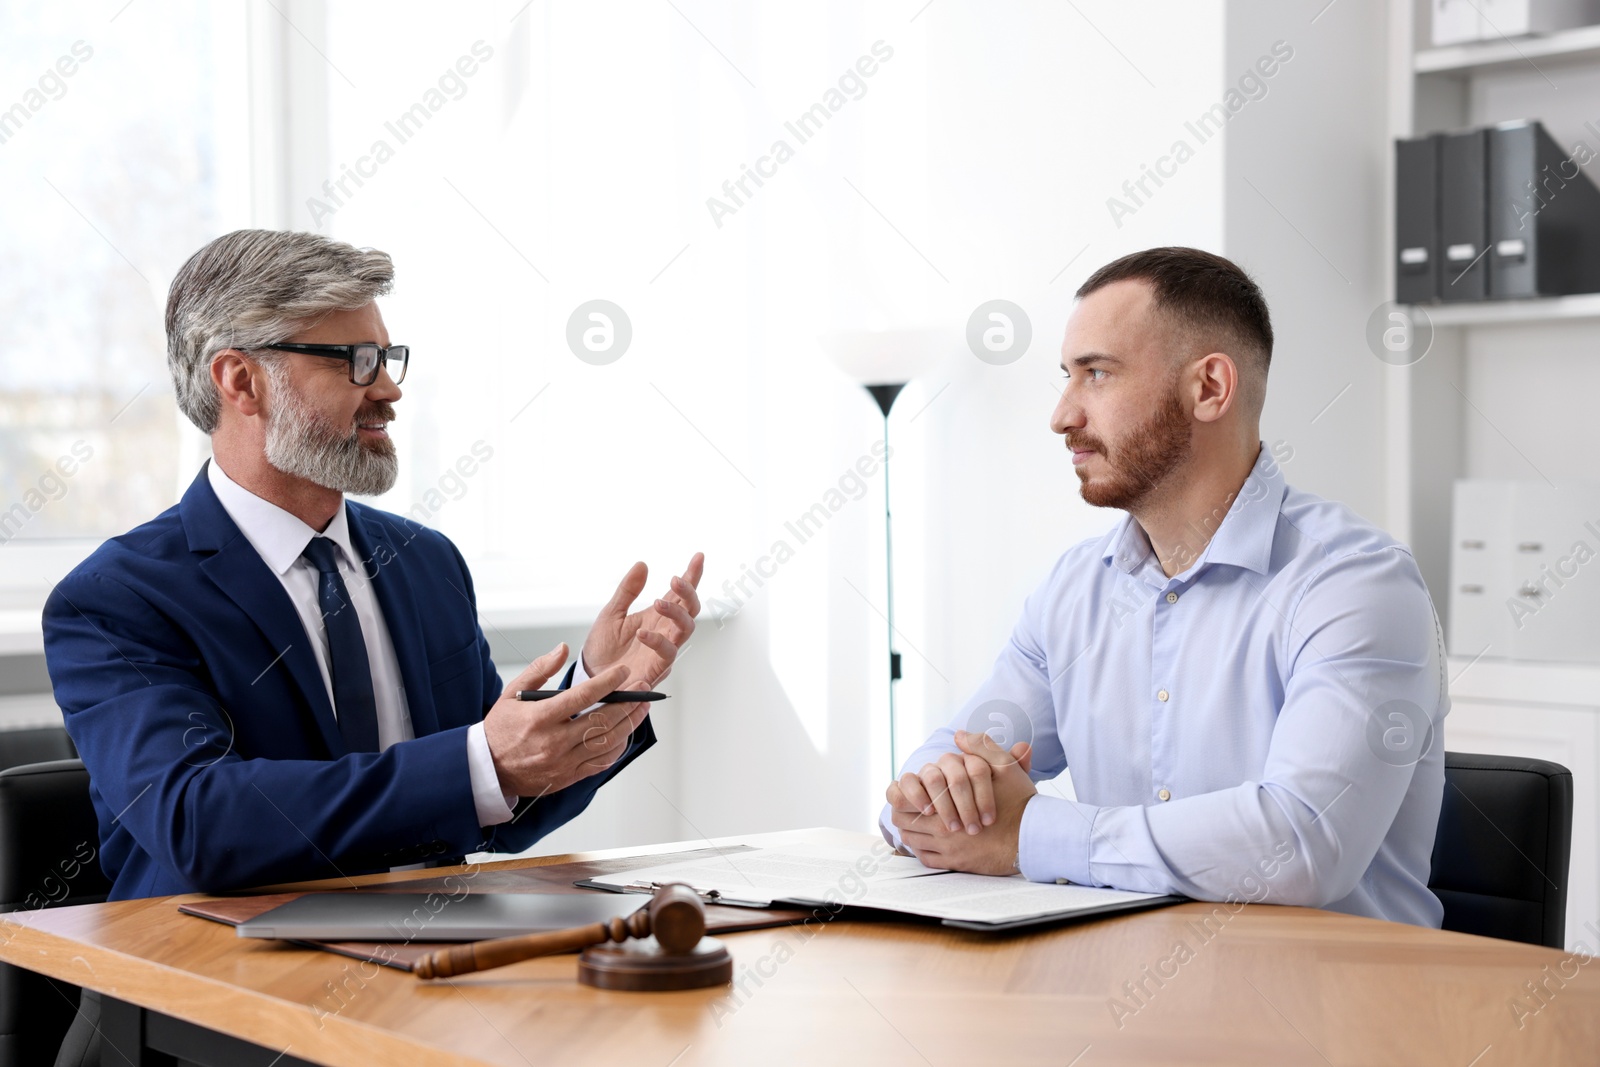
pixel 677 917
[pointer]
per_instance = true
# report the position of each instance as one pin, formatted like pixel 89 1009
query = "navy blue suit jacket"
pixel 215 761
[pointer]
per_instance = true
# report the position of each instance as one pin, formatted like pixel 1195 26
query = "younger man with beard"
pixel 1245 680
pixel 268 683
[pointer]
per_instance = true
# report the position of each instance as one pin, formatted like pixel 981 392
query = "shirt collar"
pixel 1244 538
pixel 278 537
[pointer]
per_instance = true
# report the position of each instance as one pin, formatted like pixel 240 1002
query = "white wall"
pixel 1033 121
pixel 1306 214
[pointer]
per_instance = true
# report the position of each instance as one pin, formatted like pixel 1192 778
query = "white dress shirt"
pixel 280 538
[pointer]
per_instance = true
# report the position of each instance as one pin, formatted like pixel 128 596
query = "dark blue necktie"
pixel 347 651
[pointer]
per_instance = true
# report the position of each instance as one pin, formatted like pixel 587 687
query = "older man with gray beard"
pixel 269 682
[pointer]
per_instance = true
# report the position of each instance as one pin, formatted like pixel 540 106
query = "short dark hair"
pixel 1204 293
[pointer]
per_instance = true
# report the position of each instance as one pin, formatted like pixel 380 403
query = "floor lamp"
pixel 883 362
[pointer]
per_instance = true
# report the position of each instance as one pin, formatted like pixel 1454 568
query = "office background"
pixel 521 160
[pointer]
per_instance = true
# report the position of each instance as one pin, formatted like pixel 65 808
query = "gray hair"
pixel 254 288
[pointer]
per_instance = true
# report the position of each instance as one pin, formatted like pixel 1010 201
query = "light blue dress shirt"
pixel 1265 726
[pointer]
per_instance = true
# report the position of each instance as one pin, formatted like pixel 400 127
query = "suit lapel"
pixel 380 558
pixel 246 580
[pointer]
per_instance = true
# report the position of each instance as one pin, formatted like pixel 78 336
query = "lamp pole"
pixel 885 394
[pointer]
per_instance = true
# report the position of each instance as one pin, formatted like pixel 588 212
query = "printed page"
pixel 982 898
pixel 798 872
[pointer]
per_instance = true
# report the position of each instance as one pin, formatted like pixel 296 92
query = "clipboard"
pixel 712 895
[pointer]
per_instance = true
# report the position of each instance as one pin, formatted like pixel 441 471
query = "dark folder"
pixel 1416 220
pixel 1463 216
pixel 1544 216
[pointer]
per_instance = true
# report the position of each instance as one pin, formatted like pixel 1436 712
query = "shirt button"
pixel 1162 695
pixel 1165 795
pixel 1172 598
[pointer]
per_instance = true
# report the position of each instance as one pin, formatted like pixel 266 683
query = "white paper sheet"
pixel 798 872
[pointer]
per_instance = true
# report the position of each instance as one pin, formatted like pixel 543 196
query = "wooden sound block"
pixel 642 966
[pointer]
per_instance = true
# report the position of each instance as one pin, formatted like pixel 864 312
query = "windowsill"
pixel 29 712
pixel 21 634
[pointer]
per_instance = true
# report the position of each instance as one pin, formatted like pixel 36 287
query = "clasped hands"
pixel 541 747
pixel 964 811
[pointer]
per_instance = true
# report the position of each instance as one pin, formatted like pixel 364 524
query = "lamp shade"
pixel 885 357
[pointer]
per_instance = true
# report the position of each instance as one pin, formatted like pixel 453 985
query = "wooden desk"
pixel 1265 985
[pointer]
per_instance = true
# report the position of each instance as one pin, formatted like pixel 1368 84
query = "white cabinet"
pixel 1543 712
pixel 1459 21
pixel 1456 22
pixel 1521 584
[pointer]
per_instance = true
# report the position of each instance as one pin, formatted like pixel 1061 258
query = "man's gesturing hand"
pixel 539 748
pixel 646 642
pixel 982 840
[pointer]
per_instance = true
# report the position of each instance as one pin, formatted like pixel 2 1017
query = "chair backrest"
pixel 49 856
pixel 35 745
pixel 1504 843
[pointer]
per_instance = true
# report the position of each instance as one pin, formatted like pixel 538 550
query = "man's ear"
pixel 239 381
pixel 1215 384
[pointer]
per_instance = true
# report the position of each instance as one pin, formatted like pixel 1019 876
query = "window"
pixel 122 150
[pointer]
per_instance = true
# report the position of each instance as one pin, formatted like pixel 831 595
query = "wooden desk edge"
pixel 339 1039
pixel 185 995
pixel 126 976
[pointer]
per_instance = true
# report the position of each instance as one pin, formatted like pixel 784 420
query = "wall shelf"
pixel 1489 312
pixel 1522 682
pixel 1439 434
pixel 1467 59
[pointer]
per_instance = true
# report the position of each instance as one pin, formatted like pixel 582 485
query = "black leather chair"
pixel 1504 843
pixel 49 856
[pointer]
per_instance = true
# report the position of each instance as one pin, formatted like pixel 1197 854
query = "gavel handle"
pixel 483 955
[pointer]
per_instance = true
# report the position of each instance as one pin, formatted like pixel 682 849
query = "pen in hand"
pixel 620 696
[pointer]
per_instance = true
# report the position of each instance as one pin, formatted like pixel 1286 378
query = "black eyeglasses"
pixel 364 359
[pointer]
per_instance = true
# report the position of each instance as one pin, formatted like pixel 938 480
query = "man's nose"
pixel 383 387
pixel 1068 413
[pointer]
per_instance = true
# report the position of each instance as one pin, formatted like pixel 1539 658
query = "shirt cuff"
pixel 494 806
pixel 891 833
pixel 1054 840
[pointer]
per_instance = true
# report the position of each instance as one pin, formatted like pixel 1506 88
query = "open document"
pixel 829 875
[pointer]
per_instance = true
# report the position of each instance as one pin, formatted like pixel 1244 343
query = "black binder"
pixel 1463 216
pixel 1416 220
pixel 1544 216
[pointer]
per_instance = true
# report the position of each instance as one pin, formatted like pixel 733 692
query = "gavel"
pixel 674 918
